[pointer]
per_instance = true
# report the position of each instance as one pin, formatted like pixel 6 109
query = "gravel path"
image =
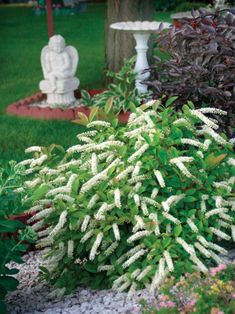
pixel 33 296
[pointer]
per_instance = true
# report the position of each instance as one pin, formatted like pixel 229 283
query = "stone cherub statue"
pixel 59 64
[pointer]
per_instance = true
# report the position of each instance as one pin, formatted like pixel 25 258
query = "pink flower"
pixel 162 304
pixel 222 267
pixel 192 303
pixel 170 304
pixel 163 297
pixel 213 271
pixel 219 268
pixel 167 304
pixel 233 296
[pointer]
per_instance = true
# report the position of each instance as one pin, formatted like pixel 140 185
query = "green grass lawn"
pixel 22 37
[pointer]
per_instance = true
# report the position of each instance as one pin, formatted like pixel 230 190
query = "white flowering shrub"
pixel 126 206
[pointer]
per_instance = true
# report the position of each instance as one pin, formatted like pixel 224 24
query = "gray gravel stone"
pixel 32 296
pixel 228 258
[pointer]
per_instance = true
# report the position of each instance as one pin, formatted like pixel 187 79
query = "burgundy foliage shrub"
pixel 201 66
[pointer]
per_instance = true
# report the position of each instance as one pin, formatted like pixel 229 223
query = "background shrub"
pixel 188 6
pixel 201 64
pixel 174 5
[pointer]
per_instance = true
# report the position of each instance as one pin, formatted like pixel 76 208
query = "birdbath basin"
pixel 141 31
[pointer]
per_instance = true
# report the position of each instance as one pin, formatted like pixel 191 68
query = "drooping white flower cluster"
pixel 138 195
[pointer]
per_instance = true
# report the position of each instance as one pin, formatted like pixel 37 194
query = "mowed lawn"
pixel 22 37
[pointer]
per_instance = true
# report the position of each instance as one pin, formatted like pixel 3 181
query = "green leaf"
pixel 89 266
pixel 176 133
pixel 120 269
pixel 162 155
pixel 22 247
pixel 8 283
pixel 191 212
pixel 123 150
pixel 190 192
pixel 156 139
pixel 40 192
pixel 44 270
pixel 166 242
pixel 190 104
pixel 3 308
pixel 10 225
pixel 93 114
pixel 213 161
pixel 132 106
pixel 111 170
pixel 147 138
pixel 114 122
pixel 189 199
pixel 82 119
pixel 97 280
pixel 12 271
pixel 85 94
pixel 177 230
pixel 76 185
pixel 109 105
pixel 171 100
pixel 52 147
pixel 185 109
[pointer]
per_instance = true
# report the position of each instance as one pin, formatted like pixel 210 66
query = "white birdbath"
pixel 141 32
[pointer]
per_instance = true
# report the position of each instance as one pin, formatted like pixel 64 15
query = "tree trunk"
pixel 120 44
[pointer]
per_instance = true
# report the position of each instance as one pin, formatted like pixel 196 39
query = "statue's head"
pixel 57 43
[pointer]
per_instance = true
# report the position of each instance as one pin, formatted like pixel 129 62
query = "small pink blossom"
pixel 163 297
pixel 219 268
pixel 222 267
pixel 170 304
pixel 167 304
pixel 192 303
pixel 213 271
pixel 233 296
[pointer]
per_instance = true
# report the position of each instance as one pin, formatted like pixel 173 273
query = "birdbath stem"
pixel 141 31
pixel 141 60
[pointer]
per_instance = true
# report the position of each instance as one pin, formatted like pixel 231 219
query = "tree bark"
pixel 119 44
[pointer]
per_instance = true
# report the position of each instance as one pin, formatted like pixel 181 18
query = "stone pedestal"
pixel 141 61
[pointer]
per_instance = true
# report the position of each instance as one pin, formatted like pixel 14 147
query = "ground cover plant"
pixel 201 63
pixel 133 204
pixel 196 293
pixel 11 247
pixel 122 90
